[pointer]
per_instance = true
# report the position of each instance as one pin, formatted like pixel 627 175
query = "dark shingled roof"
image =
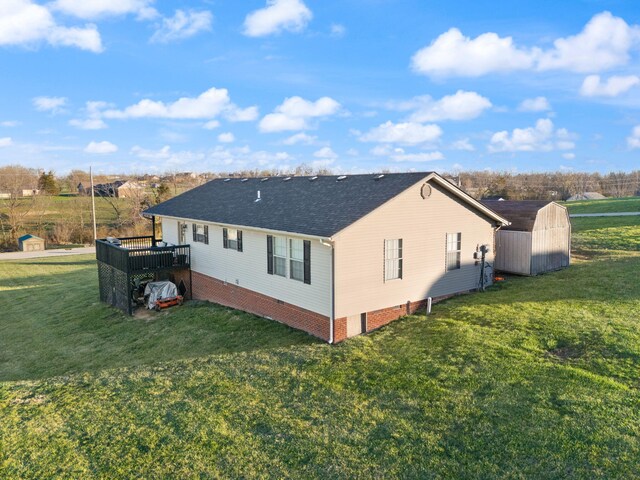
pixel 320 207
pixel 522 214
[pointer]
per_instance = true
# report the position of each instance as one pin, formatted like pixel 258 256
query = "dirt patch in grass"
pixel 566 353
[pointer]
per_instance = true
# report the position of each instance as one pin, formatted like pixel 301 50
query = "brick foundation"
pixel 234 296
pixel 384 316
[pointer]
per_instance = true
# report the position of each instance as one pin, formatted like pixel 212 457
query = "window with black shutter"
pixel 239 240
pixel 270 254
pixel 195 232
pixel 307 262
pixel 225 238
pixel 206 234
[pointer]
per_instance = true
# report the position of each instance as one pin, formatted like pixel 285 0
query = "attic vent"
pixel 264 179
pixel 340 178
pixel 425 191
pixel 227 180
pixel 244 180
pixel 379 177
pixel 313 178
pixel 287 179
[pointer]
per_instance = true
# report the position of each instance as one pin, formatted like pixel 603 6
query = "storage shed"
pixel 538 239
pixel 30 243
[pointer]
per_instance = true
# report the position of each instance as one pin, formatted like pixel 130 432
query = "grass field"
pixel 536 378
pixel 608 205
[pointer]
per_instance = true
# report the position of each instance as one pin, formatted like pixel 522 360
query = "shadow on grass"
pixel 60 327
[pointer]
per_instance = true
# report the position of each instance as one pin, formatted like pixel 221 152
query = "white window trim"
pixel 457 243
pixel 398 269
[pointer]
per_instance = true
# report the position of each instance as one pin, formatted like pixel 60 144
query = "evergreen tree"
pixel 47 183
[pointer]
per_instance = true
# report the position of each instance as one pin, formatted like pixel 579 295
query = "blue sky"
pixel 356 85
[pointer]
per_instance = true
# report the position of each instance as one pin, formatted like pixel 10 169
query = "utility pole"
pixel 93 208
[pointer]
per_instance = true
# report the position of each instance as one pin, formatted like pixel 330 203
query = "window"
pixel 392 259
pixel 296 259
pixel 232 238
pixel 289 254
pixel 200 233
pixel 454 246
pixel 280 256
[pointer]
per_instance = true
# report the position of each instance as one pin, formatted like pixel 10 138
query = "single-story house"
pixel 30 243
pixel 334 256
pixel 586 196
pixel 119 188
pixel 538 240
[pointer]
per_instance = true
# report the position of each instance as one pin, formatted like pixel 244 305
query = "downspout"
pixel 332 317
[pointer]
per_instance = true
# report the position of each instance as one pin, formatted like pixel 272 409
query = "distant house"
pixel 119 188
pixel 31 243
pixel 20 192
pixel 538 240
pixel 129 189
pixel 334 256
pixel 586 196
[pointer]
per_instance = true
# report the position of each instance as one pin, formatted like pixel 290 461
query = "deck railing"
pixel 140 254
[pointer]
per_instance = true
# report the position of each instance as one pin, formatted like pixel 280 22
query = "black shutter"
pixel 270 254
pixel 400 257
pixel 239 240
pixel 206 234
pixel 307 262
pixel 225 238
pixel 195 232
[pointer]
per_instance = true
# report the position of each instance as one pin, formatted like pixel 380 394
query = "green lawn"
pixel 608 205
pixel 536 378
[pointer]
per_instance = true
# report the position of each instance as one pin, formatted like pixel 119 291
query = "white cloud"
pixel 88 123
pixel 301 138
pixel 211 125
pixel 353 152
pixel 295 112
pixel 226 137
pixel 25 23
pixel 325 152
pixel 9 123
pixel 338 30
pixel 568 156
pixel 6 142
pixel 453 54
pixel 93 121
pixel 101 147
pixel 408 133
pixel 612 87
pixel 248 114
pixel 417 157
pixel 538 104
pixel 633 140
pixel 541 138
pixel 463 144
pixel 459 106
pixel 604 43
pixel 182 25
pixel 49 104
pixel 209 104
pixel 93 9
pixel 277 16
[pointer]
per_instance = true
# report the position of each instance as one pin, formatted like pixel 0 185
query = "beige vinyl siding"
pixel 422 224
pixel 248 268
pixel 514 249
